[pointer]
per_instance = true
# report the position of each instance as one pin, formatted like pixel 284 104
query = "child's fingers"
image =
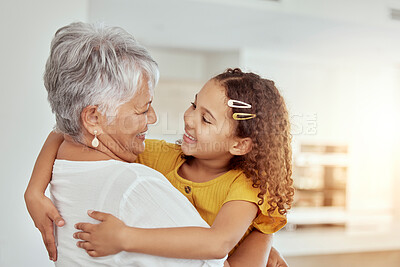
pixel 85 245
pixel 100 216
pixel 85 227
pixel 93 253
pixel 49 242
pixel 82 235
pixel 56 217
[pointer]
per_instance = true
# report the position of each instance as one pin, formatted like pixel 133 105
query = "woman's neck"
pixel 71 150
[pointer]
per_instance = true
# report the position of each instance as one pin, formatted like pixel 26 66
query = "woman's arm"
pixel 40 207
pixel 112 235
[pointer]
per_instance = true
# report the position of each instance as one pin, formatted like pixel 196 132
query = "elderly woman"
pixel 100 87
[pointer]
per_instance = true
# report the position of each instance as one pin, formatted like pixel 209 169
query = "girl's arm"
pixel 112 235
pixel 275 259
pixel 253 251
pixel 40 207
pixel 41 174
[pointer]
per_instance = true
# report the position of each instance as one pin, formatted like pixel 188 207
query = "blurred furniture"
pixel 320 179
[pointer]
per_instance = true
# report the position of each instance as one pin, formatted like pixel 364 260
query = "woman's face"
pixel 126 133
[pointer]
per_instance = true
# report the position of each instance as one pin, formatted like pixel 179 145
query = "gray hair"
pixel 93 64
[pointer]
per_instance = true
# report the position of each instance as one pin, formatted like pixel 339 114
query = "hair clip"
pixel 243 116
pixel 238 104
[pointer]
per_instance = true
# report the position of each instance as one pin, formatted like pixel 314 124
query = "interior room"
pixel 337 64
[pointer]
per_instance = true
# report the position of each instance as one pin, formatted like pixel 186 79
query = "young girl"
pixel 234 165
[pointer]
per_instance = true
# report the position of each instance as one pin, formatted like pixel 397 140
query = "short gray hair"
pixel 93 64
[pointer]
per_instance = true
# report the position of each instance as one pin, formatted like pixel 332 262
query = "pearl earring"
pixel 95 141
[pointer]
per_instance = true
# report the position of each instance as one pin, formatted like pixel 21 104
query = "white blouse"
pixel 136 194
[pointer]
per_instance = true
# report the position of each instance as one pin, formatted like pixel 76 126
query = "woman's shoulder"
pixel 141 170
pixel 73 151
pixel 85 166
pixel 118 171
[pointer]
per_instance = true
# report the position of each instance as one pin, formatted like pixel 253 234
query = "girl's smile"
pixel 189 138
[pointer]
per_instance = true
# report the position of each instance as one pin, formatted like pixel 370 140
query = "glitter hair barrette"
pixel 240 104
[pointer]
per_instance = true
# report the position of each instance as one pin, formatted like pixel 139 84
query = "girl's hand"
pixel 44 214
pixel 40 207
pixel 275 259
pixel 103 239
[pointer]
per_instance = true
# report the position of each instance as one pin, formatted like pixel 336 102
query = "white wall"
pixel 396 154
pixel 192 65
pixel 179 64
pixel 27 28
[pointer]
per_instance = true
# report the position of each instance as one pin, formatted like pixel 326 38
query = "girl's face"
pixel 209 126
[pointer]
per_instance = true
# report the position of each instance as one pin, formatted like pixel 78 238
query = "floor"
pixel 365 259
pixel 332 247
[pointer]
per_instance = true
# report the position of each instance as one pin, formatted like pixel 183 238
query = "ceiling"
pixel 298 26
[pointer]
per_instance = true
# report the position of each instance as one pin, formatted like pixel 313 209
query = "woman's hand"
pixel 275 259
pixel 44 214
pixel 103 239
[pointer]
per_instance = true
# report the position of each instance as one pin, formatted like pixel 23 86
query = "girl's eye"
pixel 193 105
pixel 206 121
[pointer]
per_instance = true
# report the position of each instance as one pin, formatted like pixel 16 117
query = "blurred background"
pixel 337 63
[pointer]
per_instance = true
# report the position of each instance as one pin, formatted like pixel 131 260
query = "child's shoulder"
pixel 160 146
pixel 241 178
pixel 242 188
pixel 160 155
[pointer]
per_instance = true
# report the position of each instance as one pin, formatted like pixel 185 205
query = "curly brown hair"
pixel 269 163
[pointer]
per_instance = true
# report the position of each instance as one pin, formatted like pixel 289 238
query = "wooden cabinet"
pixel 320 179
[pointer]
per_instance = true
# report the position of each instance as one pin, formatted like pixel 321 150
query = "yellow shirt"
pixel 208 197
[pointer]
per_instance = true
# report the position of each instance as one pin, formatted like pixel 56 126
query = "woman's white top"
pixel 136 194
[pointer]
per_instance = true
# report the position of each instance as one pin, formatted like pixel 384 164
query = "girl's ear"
pixel 241 146
pixel 91 119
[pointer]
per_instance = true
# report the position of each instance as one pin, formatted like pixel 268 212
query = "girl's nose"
pixel 188 117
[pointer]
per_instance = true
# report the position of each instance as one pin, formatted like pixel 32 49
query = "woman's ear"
pixel 241 146
pixel 91 119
